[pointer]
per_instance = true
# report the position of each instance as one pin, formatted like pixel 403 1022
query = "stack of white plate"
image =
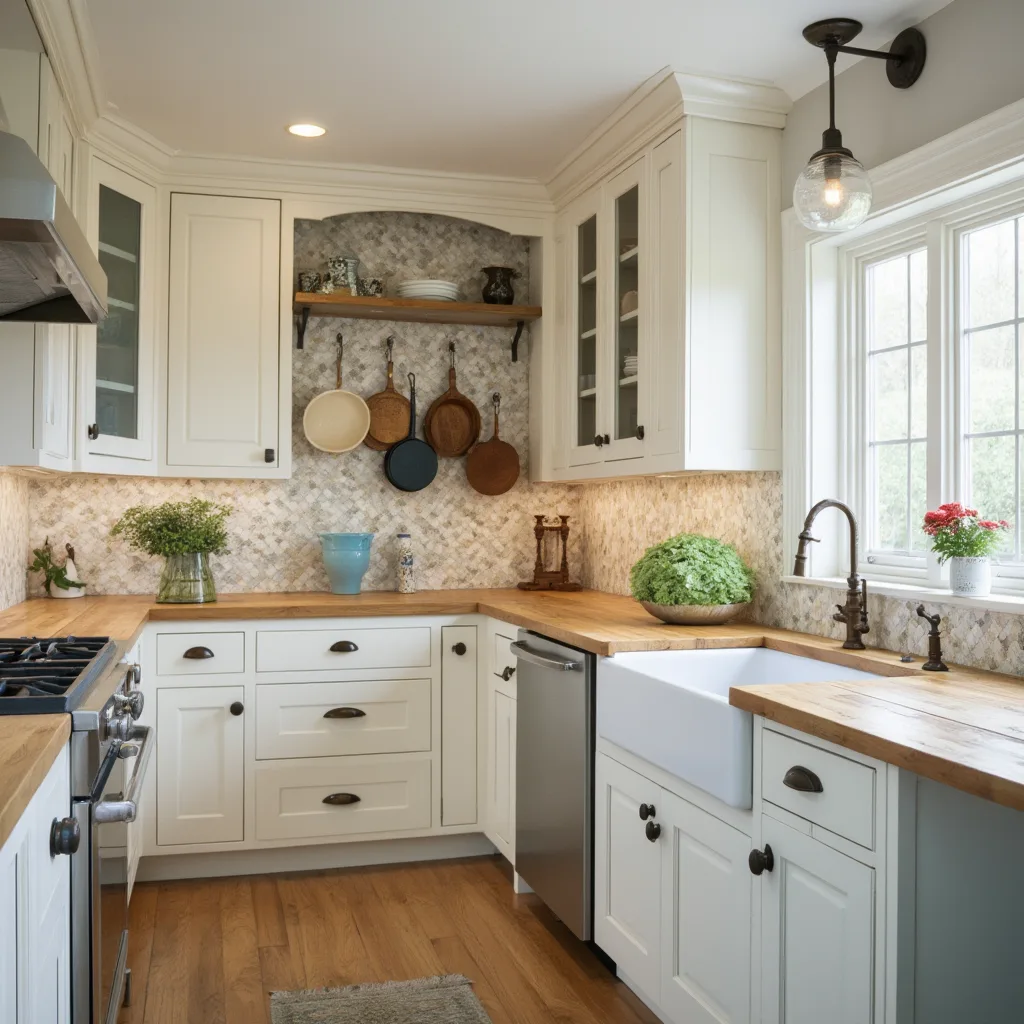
pixel 629 366
pixel 439 291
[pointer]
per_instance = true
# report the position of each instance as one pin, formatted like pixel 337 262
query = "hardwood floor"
pixel 210 952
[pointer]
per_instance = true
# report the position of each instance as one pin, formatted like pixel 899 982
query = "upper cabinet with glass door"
pixel 117 377
pixel 673 333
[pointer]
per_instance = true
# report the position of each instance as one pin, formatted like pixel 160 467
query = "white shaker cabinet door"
pixel 706 908
pixel 223 352
pixel 817 932
pixel 200 764
pixel 627 874
pixel 501 775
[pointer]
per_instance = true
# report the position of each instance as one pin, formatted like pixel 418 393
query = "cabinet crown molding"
pixel 654 107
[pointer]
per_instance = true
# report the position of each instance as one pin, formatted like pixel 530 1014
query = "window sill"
pixel 1007 603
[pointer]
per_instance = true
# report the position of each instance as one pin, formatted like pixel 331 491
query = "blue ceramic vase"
pixel 346 558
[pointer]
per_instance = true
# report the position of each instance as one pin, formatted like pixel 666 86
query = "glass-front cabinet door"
pixel 118 378
pixel 588 369
pixel 627 317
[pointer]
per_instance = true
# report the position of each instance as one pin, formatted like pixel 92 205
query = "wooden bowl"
pixel 695 614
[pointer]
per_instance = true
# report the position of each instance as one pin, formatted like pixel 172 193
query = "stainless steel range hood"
pixel 48 272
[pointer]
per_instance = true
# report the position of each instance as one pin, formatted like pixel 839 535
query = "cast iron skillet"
pixel 411 464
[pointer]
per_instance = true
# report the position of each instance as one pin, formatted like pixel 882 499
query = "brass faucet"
pixel 855 612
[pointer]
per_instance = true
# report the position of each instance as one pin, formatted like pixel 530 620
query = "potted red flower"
pixel 961 537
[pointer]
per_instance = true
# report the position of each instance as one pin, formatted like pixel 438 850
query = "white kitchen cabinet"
pixel 35 910
pixel 706 890
pixel 117 380
pixel 501 775
pixel 458 725
pixel 225 414
pixel 672 260
pixel 200 764
pixel 628 895
pixel 818 932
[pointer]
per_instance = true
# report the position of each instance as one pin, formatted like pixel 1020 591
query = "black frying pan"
pixel 411 464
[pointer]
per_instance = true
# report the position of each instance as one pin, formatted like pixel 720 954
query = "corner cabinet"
pixel 670 351
pixel 225 409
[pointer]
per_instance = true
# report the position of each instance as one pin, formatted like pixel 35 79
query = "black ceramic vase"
pixel 498 289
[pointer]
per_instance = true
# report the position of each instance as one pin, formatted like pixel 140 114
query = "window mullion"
pixel 941 409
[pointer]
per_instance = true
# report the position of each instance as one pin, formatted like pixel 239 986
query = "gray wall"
pixel 974 67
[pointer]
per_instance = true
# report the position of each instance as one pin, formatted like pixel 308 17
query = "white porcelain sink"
pixel 672 709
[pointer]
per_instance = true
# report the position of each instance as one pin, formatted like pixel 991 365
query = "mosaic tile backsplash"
pixel 461 538
pixel 14 504
pixel 621 519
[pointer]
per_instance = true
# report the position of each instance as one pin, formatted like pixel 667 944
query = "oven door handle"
pixel 126 809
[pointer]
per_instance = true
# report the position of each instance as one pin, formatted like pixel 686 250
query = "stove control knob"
pixel 120 727
pixel 65 836
pixel 129 703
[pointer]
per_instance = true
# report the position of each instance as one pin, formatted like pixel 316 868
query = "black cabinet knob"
pixel 93 431
pixel 344 647
pixel 198 653
pixel 646 811
pixel 508 672
pixel 65 836
pixel 237 708
pixel 652 831
pixel 459 649
pixel 640 433
pixel 761 860
pixel 803 780
pixel 269 455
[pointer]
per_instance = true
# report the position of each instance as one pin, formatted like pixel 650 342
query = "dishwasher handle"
pixel 526 653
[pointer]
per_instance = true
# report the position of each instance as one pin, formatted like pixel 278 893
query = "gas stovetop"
pixel 39 675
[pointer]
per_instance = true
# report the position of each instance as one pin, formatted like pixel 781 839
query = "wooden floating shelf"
pixel 418 311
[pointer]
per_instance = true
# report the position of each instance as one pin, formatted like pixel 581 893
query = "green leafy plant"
pixel 959 532
pixel 175 527
pixel 691 569
pixel 54 575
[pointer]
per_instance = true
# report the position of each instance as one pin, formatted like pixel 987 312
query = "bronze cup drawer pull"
pixel 345 713
pixel 198 653
pixel 803 780
pixel 344 647
pixel 341 799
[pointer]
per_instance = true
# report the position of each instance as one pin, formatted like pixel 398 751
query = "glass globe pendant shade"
pixel 833 192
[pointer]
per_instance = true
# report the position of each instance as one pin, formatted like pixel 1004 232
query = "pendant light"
pixel 833 192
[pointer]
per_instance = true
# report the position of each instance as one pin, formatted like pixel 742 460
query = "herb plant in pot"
pixel 692 580
pixel 186 533
pixel 961 537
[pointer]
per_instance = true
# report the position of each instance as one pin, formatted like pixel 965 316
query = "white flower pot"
pixel 970 577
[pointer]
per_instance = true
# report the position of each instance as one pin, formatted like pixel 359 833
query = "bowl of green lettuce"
pixel 692 580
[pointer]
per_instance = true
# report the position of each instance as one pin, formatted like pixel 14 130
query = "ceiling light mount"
pixel 307 131
pixel 833 192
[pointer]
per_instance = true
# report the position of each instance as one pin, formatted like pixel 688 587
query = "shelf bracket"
pixel 303 320
pixel 515 341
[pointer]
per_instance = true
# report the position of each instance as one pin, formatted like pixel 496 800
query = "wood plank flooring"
pixel 212 951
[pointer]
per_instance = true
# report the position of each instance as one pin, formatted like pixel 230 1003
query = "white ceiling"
pixel 475 86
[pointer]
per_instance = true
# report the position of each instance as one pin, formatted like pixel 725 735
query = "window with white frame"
pixel 933 390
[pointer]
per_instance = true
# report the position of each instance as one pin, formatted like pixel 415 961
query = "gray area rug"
pixel 447 999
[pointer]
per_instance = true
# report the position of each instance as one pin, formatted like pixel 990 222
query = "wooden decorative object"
pixel 551 579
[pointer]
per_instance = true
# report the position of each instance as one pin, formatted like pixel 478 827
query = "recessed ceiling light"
pixel 307 131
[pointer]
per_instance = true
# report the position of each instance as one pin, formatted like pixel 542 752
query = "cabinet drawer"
pixel 846 804
pixel 306 650
pixel 504 664
pixel 391 796
pixel 385 716
pixel 193 654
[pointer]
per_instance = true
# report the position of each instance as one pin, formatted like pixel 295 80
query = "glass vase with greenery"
pixel 704 578
pixel 186 533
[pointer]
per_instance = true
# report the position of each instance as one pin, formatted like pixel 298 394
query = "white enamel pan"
pixel 336 421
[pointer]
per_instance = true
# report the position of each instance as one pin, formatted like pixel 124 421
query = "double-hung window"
pixel 931 379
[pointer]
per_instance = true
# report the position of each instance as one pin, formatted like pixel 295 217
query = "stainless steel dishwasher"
pixel 555 777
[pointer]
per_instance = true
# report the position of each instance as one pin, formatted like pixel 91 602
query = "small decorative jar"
pixel 970 576
pixel 498 289
pixel 406 565
pixel 345 272
pixel 309 281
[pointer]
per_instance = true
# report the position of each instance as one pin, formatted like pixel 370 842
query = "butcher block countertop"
pixel 963 728
pixel 29 744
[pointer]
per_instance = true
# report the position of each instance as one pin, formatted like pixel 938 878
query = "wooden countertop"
pixel 29 744
pixel 963 728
